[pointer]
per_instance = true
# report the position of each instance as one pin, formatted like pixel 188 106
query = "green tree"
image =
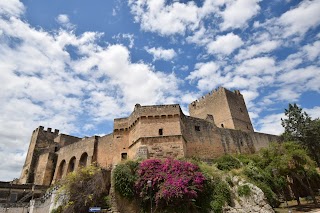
pixel 301 128
pixel 311 140
pixel 295 124
pixel 291 161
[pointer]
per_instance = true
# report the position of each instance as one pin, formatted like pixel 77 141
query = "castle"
pixel 219 123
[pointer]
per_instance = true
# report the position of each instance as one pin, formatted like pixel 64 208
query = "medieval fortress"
pixel 219 123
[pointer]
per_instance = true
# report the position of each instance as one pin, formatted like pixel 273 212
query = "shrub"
pixel 173 183
pixel 83 188
pixel 244 191
pixel 124 176
pixel 228 162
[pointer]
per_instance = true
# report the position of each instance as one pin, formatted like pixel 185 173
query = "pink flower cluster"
pixel 171 180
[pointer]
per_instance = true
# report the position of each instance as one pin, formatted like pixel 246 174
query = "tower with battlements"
pixel 227 109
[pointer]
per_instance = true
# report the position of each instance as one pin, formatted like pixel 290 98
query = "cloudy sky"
pixel 76 65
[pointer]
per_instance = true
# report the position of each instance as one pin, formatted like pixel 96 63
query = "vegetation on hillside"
pixel 82 189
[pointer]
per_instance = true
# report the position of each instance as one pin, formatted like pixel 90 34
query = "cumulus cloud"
pixel 44 85
pixel 271 124
pixel 156 16
pixel 161 54
pixel 300 19
pixel 257 66
pixel 225 44
pixel 257 49
pixel 11 8
pixel 238 12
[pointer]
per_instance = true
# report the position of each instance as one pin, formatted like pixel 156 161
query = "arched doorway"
pixel 83 160
pixel 72 164
pixel 61 169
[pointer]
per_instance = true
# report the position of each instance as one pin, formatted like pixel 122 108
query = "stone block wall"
pixel 227 108
pixel 70 156
pixel 42 141
pixel 45 168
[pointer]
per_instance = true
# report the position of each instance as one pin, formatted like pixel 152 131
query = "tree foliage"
pixel 301 128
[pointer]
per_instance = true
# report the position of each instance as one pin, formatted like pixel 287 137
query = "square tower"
pixel 227 108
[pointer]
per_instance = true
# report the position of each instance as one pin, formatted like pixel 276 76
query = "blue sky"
pixel 77 65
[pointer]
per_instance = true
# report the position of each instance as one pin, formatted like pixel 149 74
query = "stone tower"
pixel 226 108
pixel 41 145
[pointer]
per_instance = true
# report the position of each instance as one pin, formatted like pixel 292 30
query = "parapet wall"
pixel 141 112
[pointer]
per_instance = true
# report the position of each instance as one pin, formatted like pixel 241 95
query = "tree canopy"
pixel 299 127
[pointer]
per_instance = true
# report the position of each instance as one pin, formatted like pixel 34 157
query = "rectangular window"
pixel 160 131
pixel 197 128
pixel 124 156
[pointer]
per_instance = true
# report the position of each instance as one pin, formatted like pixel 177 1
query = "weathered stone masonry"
pixel 219 123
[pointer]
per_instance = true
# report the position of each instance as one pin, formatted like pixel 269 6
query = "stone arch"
pixel 72 164
pixel 61 169
pixel 83 160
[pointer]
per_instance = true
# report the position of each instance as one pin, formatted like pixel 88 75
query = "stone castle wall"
pixel 219 124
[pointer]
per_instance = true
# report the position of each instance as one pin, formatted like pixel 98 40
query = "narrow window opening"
pixel 247 127
pixel 222 125
pixel 160 131
pixel 241 142
pixel 241 110
pixel 197 128
pixel 124 156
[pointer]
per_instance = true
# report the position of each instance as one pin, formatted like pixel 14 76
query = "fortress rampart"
pixel 218 124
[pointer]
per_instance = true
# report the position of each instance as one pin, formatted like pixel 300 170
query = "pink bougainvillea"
pixel 172 181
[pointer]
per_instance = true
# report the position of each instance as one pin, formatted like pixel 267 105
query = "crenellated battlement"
pixel 146 112
pixel 213 93
pixel 49 130
pixel 226 107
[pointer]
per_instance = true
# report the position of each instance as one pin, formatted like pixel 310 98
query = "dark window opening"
pixel 247 127
pixel 197 128
pixel 160 131
pixel 222 125
pixel 124 156
pixel 241 110
pixel 241 142
pixel 55 149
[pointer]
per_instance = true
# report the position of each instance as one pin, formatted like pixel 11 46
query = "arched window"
pixel 61 169
pixel 71 165
pixel 83 160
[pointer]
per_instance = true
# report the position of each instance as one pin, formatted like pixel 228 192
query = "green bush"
pixel 124 178
pixel 57 210
pixel 244 191
pixel 228 162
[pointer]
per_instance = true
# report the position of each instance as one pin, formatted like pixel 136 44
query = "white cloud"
pixel 257 49
pixel 313 112
pixel 257 66
pixel 156 16
pixel 43 85
pixel 300 76
pixel 126 36
pixel 300 19
pixel 11 8
pixel 271 124
pixel 312 50
pixel 238 12
pixel 161 54
pixel 225 44
pixel 208 75
pixel 64 20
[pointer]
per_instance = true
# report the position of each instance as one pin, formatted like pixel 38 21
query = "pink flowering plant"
pixel 173 182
